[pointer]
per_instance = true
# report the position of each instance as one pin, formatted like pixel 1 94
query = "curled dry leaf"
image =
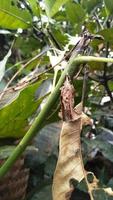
pixel 70 164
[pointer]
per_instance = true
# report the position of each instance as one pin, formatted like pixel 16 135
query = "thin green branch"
pixel 37 124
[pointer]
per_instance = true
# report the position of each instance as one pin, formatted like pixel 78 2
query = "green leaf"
pixel 110 183
pixel 96 66
pixel 14 116
pixel 75 12
pixel 89 5
pixel 53 6
pixel 35 7
pixel 44 193
pixel 12 16
pixel 100 194
pixel 50 166
pixel 104 147
pixel 107 34
pixel 109 6
pixel 27 45
pixel 60 37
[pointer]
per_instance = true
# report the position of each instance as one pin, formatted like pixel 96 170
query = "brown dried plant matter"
pixel 70 164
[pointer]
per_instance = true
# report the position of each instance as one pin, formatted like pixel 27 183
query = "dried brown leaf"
pixel 70 164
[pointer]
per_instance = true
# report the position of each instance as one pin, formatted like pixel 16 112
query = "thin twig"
pixel 79 71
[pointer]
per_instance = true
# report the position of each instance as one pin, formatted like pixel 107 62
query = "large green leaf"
pixel 107 34
pixel 59 36
pixel 100 194
pixel 103 146
pixel 109 6
pixel 53 6
pixel 35 7
pixel 44 193
pixel 12 16
pixel 89 5
pixel 27 45
pixel 75 12
pixel 14 116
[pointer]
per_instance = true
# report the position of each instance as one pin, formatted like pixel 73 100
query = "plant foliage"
pixel 51 28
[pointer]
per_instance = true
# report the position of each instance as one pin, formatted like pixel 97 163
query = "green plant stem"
pixel 37 124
